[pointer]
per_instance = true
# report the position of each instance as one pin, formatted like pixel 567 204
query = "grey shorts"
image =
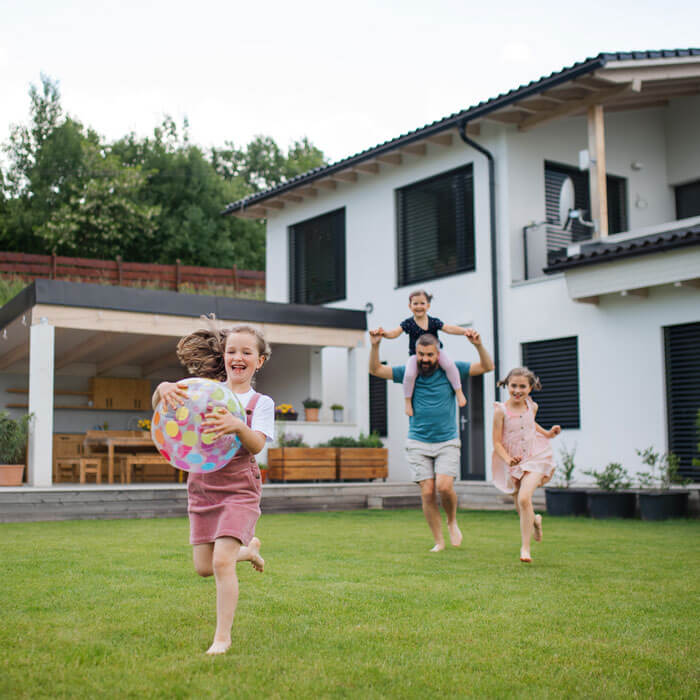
pixel 426 459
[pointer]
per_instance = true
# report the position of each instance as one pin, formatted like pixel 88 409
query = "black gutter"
pixel 494 262
pixel 448 123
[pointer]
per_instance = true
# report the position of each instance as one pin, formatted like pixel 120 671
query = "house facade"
pixel 561 220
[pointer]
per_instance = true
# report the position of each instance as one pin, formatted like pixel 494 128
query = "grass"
pixel 353 605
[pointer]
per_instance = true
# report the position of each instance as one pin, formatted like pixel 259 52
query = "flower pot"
pixel 11 474
pixel 611 504
pixel 563 501
pixel 302 463
pixel 311 414
pixel 337 415
pixel 663 505
pixel 286 416
pixel 263 475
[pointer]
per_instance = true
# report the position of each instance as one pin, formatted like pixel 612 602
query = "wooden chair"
pixel 139 461
pixel 91 465
pixel 67 451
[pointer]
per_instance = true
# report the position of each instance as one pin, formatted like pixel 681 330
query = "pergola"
pixel 53 324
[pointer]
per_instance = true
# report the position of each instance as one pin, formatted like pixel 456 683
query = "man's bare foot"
pixel 538 528
pixel 438 548
pixel 255 559
pixel 409 407
pixel 455 534
pixel 461 398
pixel 218 647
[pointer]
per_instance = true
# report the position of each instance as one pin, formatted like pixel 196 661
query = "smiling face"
pixel 519 387
pixel 419 305
pixel 427 358
pixel 241 358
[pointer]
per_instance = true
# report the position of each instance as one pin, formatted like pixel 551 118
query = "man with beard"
pixel 432 447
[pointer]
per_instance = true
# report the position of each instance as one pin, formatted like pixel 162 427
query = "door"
pixel 471 432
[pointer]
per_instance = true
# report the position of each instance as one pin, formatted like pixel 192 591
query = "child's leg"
pixel 202 557
pixel 224 558
pixel 251 553
pixel 409 382
pixel 450 369
pixel 528 484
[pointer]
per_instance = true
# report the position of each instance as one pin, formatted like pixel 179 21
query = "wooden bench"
pixel 134 461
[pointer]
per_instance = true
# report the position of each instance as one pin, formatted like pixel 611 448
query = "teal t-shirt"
pixel 434 416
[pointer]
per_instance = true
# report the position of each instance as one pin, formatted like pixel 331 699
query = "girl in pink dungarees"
pixel 224 505
pixel 522 458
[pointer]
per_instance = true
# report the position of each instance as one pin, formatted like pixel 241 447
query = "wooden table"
pixel 112 441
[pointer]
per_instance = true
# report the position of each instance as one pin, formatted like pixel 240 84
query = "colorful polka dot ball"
pixel 177 432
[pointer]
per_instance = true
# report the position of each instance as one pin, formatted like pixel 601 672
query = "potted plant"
pixel 294 460
pixel 263 472
pixel 611 500
pixel 145 425
pixel 285 411
pixel 14 434
pixel 311 407
pixel 656 500
pixel 362 458
pixel 337 409
pixel 560 497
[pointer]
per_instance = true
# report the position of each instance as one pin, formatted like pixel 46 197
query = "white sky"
pixel 348 75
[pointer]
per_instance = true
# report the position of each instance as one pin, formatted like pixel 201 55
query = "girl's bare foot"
pixel 409 407
pixel 538 528
pixel 525 556
pixel 455 534
pixel 255 559
pixel 461 398
pixel 438 548
pixel 218 647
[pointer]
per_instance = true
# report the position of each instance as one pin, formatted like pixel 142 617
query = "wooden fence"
pixel 176 277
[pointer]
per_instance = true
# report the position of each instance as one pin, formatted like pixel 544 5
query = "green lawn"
pixel 353 605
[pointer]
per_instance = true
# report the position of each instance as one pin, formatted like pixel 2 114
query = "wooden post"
pixel 119 270
pixel 52 273
pixel 177 275
pixel 596 170
pixel 235 278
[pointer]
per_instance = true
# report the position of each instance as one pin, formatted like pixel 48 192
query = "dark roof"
pixel 97 296
pixel 453 120
pixel 596 252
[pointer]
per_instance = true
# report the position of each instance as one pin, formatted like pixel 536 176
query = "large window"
pixel 555 362
pixel 317 259
pixel 436 227
pixel 688 200
pixel 683 394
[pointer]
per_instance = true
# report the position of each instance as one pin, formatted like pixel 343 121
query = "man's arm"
pixel 485 363
pixel 375 366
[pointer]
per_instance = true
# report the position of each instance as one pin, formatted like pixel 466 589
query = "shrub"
pixel 565 476
pixel 371 440
pixel 663 469
pixel 312 403
pixel 613 478
pixel 291 440
pixel 13 438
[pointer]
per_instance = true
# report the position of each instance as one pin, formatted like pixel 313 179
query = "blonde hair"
pixel 522 372
pixel 202 352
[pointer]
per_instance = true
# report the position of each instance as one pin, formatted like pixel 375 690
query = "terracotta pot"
pixel 311 414
pixel 11 474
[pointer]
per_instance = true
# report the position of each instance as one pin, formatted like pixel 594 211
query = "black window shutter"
pixel 555 362
pixel 688 200
pixel 682 345
pixel 617 203
pixel 317 259
pixel 436 227
pixel 377 406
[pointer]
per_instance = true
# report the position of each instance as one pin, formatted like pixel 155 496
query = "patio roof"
pixel 120 326
pixel 618 81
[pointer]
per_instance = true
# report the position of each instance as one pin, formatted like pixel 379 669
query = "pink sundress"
pixel 521 439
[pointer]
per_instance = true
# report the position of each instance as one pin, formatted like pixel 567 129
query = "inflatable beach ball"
pixel 177 432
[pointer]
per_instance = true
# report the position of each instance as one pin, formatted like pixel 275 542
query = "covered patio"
pixel 83 357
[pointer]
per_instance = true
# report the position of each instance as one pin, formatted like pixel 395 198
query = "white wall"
pixel 683 140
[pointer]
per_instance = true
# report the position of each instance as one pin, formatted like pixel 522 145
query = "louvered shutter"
pixel 317 259
pixel 555 362
pixel 688 200
pixel 617 203
pixel 377 406
pixel 436 227
pixel 682 345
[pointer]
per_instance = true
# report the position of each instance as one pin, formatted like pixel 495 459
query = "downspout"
pixel 494 266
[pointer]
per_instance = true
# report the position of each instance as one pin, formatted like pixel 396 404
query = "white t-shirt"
pixel 264 414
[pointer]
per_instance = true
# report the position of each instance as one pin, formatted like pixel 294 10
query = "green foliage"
pixel 10 287
pixel 613 478
pixel 337 407
pixel 663 469
pixel 568 466
pixel 371 440
pixel 312 403
pixel 14 434
pixel 291 440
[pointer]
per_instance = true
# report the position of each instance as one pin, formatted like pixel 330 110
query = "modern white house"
pixel 561 220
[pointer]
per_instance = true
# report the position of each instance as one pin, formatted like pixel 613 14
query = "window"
pixel 688 200
pixel 317 259
pixel 377 405
pixel 681 345
pixel 436 227
pixel 555 362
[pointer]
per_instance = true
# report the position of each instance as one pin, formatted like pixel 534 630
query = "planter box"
pixel 566 501
pixel 363 463
pixel 11 474
pixel 663 505
pixel 286 416
pixel 301 463
pixel 611 504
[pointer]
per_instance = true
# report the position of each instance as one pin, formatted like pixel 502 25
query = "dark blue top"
pixel 415 331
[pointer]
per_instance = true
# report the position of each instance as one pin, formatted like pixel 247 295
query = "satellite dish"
pixel 566 200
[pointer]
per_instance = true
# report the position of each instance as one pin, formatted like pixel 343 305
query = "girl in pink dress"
pixel 522 457
pixel 224 505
